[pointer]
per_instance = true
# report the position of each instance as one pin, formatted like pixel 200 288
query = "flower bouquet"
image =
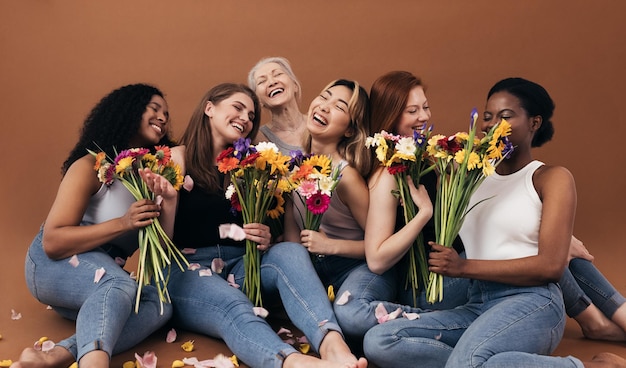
pixel 463 161
pixel 403 157
pixel 156 249
pixel 313 180
pixel 255 175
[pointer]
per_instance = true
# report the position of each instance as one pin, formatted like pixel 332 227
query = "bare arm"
pixel 556 188
pixel 63 235
pixel 384 247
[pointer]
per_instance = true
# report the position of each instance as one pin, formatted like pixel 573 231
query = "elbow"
pixel 52 249
pixel 377 267
pixel 553 273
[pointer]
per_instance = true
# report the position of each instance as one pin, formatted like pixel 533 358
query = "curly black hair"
pixel 114 121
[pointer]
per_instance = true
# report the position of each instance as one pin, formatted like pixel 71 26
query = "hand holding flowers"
pixel 405 158
pixel 462 161
pixel 255 174
pixel 146 176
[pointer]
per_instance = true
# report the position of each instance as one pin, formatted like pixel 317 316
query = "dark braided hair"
pixel 114 121
pixel 535 100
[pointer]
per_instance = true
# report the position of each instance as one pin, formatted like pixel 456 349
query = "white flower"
pixel 230 191
pixel 266 146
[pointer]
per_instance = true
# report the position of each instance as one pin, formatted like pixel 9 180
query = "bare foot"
pixel 596 326
pixel 297 360
pixel 335 349
pixel 58 357
pixel 607 360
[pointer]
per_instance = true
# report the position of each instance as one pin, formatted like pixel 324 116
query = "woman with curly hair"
pixel 95 226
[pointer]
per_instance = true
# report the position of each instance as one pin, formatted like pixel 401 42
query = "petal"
pixel 231 281
pixel 74 261
pixel 171 336
pixel 411 316
pixel 158 200
pixel 15 315
pixel 302 340
pixel 232 231
pixel 47 345
pixel 129 364
pixel 260 311
pixel 188 183
pixel 205 272
pixel 120 261
pixel 188 346
pixel 331 293
pixel 98 275
pixel 217 265
pixel 380 311
pixel 178 364
pixel 133 275
pixel 322 323
pixel 6 362
pixel 284 331
pixel 395 314
pixel 343 299
pixel 304 348
pixel 190 361
pixel 188 251
pixel 149 360
pixel 193 266
pixel 289 341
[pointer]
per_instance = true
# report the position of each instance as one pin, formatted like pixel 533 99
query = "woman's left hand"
pixel 158 184
pixel 258 233
pixel 315 242
pixel 445 260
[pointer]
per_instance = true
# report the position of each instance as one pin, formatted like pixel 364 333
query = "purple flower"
pixel 473 117
pixel 242 148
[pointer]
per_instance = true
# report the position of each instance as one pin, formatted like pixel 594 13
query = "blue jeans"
pixel 500 326
pixel 209 305
pixel 368 289
pixel 333 270
pixel 582 283
pixel 103 311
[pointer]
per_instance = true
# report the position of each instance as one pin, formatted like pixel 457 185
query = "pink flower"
pixel 307 188
pixel 318 203
pixel 217 265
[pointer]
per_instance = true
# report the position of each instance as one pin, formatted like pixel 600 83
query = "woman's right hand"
pixel 420 197
pixel 140 214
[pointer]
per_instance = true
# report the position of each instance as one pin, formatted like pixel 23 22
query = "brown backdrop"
pixel 57 58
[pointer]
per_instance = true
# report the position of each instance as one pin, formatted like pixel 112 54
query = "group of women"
pixel 505 309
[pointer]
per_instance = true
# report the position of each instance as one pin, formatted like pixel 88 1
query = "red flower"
pixel 318 203
pixel 225 153
pixel 227 164
pixel 397 169
pixel 249 160
pixel 163 155
pixel 234 202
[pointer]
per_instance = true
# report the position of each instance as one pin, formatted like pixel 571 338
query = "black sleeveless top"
pixel 199 215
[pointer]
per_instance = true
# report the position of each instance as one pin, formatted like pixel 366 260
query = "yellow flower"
pixel 129 364
pixel 279 208
pixel 473 161
pixel 178 364
pixel 188 346
pixel 123 165
pixel 234 360
pixel 321 163
pixel 6 363
pixel 488 167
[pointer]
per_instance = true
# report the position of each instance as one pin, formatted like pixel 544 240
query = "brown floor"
pixel 37 321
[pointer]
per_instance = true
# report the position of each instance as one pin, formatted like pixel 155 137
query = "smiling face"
pixel 274 86
pixel 231 118
pixel 154 123
pixel 503 105
pixel 329 114
pixel 416 113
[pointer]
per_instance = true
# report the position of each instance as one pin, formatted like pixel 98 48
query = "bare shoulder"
pixel 553 178
pixel 82 174
pixel 178 156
